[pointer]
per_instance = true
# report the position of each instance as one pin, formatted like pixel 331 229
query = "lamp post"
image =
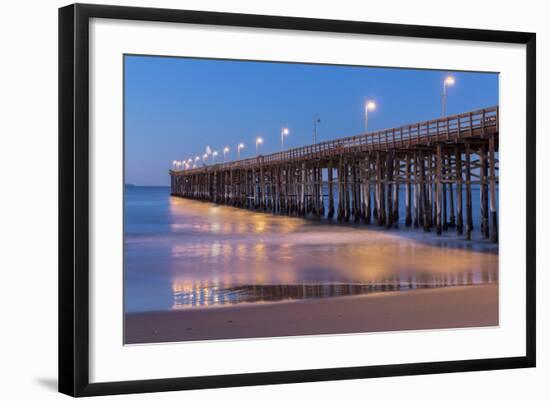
pixel 448 81
pixel 259 141
pixel 204 159
pixel 174 163
pixel 369 106
pixel 284 132
pixel 239 147
pixel 214 154
pixel 225 150
pixel 316 120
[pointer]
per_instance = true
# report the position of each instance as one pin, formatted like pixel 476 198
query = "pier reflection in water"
pixel 182 253
pixel 189 296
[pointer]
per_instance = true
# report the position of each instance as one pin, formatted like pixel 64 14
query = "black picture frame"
pixel 74 198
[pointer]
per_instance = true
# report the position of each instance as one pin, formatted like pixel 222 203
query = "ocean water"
pixel 181 253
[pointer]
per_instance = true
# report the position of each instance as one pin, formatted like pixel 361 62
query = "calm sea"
pixel 189 254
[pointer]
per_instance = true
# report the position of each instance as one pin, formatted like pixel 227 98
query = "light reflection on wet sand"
pixel 218 255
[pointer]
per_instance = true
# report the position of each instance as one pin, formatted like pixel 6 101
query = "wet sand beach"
pixel 450 307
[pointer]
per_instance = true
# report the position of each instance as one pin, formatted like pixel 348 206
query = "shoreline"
pixel 420 309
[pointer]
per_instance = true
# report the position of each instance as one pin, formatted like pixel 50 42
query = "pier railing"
pixel 445 129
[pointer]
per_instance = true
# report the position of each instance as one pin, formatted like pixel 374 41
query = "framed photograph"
pixel 251 199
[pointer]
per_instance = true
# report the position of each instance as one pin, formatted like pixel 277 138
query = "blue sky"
pixel 175 107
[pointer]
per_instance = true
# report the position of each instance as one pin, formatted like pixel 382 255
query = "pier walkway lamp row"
pixel 369 106
pixel 448 81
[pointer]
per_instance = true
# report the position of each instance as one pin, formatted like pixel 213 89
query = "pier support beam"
pixel 347 210
pixel 408 217
pixel 396 173
pixel 492 183
pixel 367 199
pixel 458 170
pixel 389 188
pixel 330 191
pixel 341 211
pixel 484 204
pixel 439 191
pixel 469 218
pixel 452 220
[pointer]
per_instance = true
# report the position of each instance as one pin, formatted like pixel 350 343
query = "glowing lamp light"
pixel 450 80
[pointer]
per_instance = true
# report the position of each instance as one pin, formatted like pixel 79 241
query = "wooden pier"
pixel 437 162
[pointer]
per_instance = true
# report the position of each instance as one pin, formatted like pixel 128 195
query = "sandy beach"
pixel 460 306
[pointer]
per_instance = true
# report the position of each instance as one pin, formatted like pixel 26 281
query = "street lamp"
pixel 369 106
pixel 214 154
pixel 239 147
pixel 204 158
pixel 225 150
pixel 284 132
pixel 448 81
pixel 316 120
pixel 259 141
pixel 174 163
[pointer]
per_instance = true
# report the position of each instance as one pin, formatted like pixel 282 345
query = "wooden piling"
pixel 439 192
pixel 367 172
pixel 341 212
pixel 389 188
pixel 492 183
pixel 396 173
pixel 469 217
pixel 484 204
pixel 408 217
pixel 347 209
pixel 416 188
pixel 458 172
pixel 450 175
pixel 330 191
